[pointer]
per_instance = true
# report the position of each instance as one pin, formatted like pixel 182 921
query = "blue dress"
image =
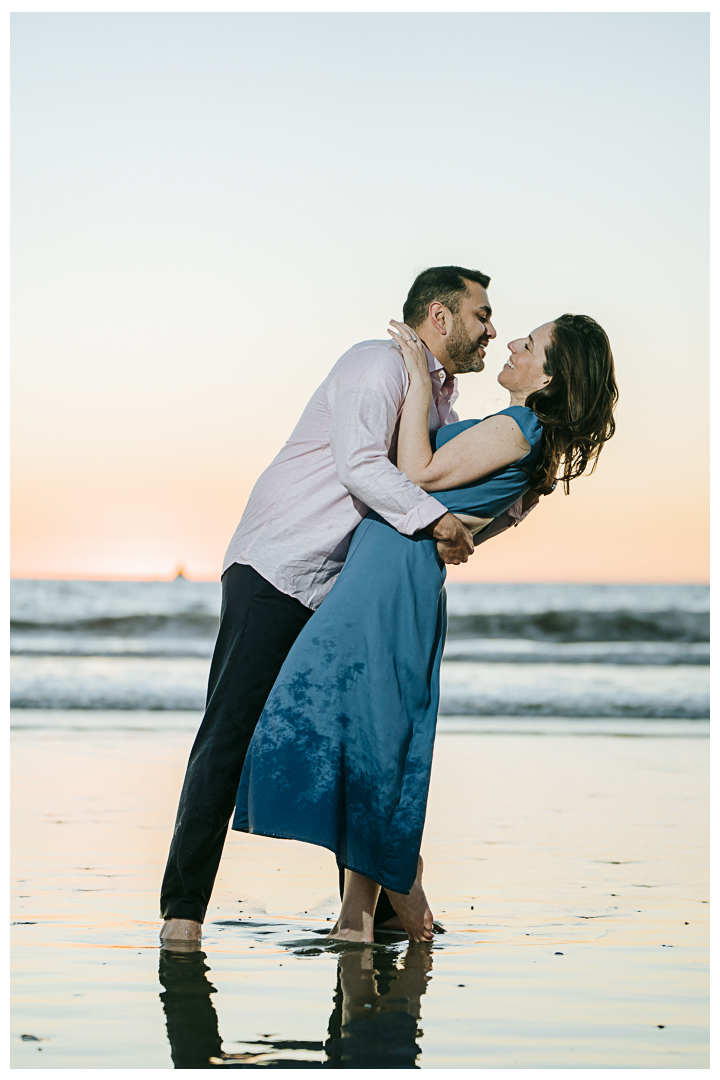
pixel 341 755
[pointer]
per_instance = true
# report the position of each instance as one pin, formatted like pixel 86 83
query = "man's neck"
pixel 436 344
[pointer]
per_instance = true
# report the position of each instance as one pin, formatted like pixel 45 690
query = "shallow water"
pixel 538 850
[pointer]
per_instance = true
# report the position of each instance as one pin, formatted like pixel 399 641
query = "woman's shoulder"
pixel 525 419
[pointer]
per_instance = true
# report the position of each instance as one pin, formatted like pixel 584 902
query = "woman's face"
pixel 524 369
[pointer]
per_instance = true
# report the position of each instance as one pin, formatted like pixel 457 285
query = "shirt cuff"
pixel 421 516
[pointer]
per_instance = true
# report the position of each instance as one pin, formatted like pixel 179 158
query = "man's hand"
pixel 455 543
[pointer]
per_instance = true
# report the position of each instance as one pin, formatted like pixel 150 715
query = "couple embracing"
pixel 324 685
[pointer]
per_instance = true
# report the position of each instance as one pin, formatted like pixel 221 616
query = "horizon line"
pixel 216 579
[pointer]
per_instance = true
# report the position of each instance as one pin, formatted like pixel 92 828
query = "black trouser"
pixel 258 625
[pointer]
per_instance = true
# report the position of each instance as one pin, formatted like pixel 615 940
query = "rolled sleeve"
pixel 421 516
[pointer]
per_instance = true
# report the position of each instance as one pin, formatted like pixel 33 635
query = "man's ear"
pixel 438 315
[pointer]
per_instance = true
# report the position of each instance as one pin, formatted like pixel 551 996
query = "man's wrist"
pixel 443 528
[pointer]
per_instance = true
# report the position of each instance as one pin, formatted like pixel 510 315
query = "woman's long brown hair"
pixel 576 407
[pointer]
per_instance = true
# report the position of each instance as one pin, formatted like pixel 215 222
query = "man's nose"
pixel 490 330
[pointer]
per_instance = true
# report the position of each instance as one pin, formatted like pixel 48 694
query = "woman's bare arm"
pixel 474 453
pixel 414 450
pixel 471 455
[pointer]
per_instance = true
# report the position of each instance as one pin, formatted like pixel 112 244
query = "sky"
pixel 209 209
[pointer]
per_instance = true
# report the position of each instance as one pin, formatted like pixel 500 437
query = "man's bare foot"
pixel 181 930
pixel 413 910
pixel 178 946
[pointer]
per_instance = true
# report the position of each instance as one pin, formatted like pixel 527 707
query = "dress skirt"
pixel 342 754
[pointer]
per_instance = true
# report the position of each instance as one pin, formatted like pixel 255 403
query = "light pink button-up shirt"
pixel 338 464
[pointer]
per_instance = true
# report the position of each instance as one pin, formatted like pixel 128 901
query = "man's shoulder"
pixel 371 355
pixel 383 348
pixel 368 365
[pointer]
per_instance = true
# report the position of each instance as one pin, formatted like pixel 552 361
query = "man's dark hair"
pixel 446 284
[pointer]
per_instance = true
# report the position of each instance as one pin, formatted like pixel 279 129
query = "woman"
pixel 342 753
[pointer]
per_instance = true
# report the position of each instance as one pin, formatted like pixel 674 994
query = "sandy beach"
pixel 570 873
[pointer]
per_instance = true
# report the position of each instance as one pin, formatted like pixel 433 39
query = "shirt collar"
pixel 433 362
pixel 435 367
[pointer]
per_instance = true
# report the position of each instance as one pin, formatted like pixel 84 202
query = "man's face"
pixel 471 331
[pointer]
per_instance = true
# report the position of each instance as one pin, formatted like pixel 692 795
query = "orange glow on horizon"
pixel 132 532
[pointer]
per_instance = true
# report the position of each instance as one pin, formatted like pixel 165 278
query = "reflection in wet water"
pixel 373 1025
pixel 190 1015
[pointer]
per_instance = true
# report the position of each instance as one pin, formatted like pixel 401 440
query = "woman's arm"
pixel 477 452
pixel 414 452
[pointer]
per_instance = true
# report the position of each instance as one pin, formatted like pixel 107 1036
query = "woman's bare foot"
pixel 181 930
pixel 355 922
pixel 413 910
pixel 393 923
pixel 340 932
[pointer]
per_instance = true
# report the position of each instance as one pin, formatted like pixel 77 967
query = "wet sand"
pixel 569 871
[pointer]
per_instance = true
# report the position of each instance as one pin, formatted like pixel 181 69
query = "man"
pixel 291 543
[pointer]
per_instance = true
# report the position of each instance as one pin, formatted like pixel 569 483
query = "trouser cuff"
pixel 183 909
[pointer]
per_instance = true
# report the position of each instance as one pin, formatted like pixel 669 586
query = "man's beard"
pixel 461 349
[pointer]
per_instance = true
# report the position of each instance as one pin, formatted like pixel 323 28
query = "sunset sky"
pixel 208 210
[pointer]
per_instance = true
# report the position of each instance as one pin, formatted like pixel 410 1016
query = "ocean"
pixel 623 659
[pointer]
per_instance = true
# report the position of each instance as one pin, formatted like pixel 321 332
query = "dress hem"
pixel 304 840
